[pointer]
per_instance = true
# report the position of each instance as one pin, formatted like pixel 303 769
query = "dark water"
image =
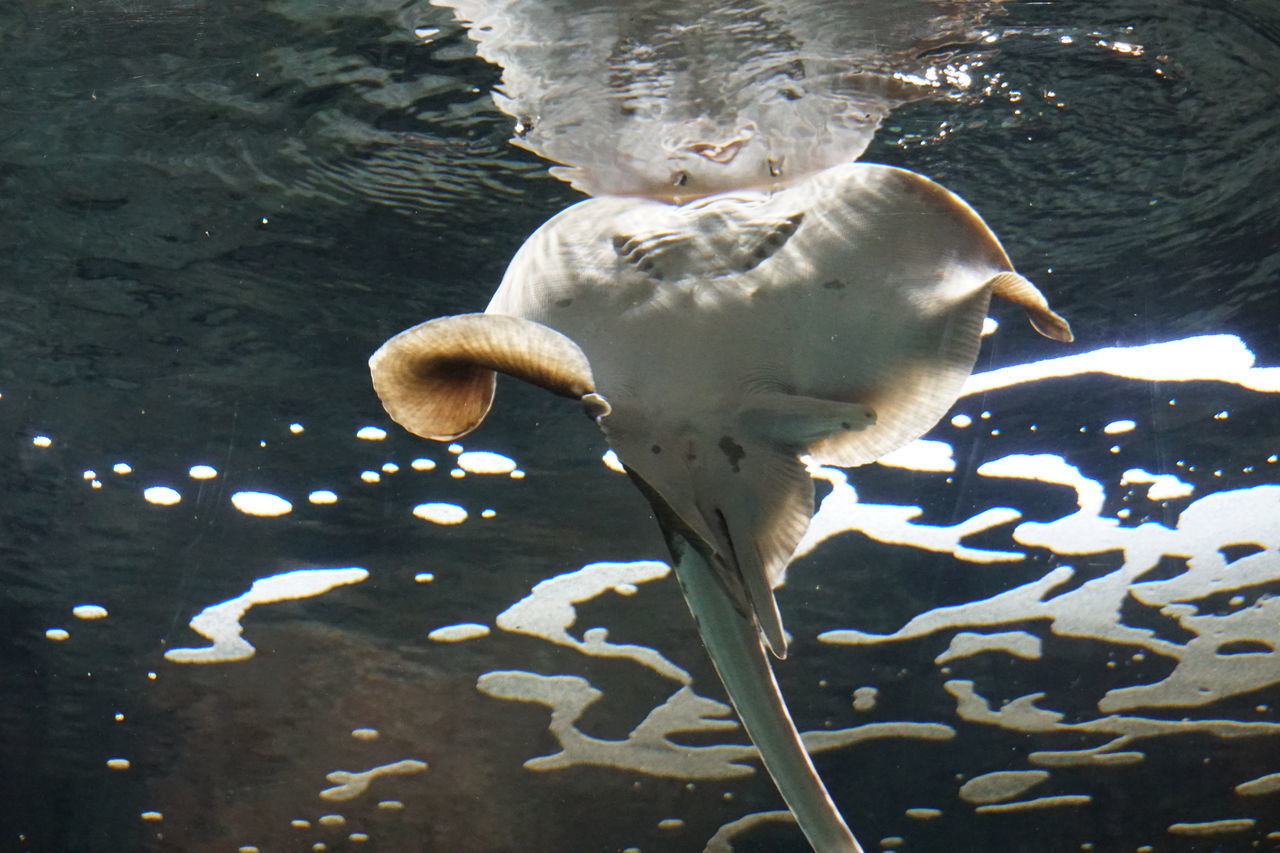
pixel 210 214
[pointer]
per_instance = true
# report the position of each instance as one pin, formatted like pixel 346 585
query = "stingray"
pixel 721 345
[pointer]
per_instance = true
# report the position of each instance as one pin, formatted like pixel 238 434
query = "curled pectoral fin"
pixel 1019 291
pixel 437 378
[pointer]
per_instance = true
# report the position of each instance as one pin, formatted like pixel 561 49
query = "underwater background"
pixel 1051 626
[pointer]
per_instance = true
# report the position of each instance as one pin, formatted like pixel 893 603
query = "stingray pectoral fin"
pixel 735 649
pixel 1019 291
pixel 796 422
pixel 437 378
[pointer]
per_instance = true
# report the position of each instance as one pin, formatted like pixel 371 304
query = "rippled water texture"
pixel 241 610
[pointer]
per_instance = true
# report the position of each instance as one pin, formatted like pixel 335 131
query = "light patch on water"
pixel 299 823
pixel 1203 670
pixel 1113 731
pixel 1053 802
pixel 548 612
pixel 350 784
pixel 122 468
pixel 1117 427
pixel 485 462
pixel 57 634
pixel 989 326
pixel 653 746
pixel 221 622
pixel 42 441
pixel 440 513
pixel 648 749
pixel 1163 487
pixel 364 734
pixel 390 468
pixel 161 495
pixel 612 462
pixel 961 421
pixel 841 512
pixel 262 504
pixel 390 805
pixel 1269 784
pixel 923 813
pixel 332 820
pixel 296 428
pixel 1000 785
pixel 1229 826
pixel 722 841
pixel 1223 358
pixel 371 476
pixel 151 815
pixel 671 823
pixel 458 633
pixel 89 611
pixel 967 644
pixel 423 464
pixel 118 763
pixel 323 497
pixel 371 433
pixel 864 698
pixel 822 739
pixel 202 472
pixel 423 577
pixel 921 455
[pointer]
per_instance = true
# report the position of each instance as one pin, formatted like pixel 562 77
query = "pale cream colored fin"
pixel 753 567
pixel 796 422
pixel 1020 291
pixel 759 498
pixel 437 378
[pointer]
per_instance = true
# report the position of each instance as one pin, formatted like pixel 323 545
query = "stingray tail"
pixel 735 646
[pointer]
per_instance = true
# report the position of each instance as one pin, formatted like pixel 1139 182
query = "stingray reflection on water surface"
pixel 738 300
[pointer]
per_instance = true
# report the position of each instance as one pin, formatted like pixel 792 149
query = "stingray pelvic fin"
pixel 747 501
pixel 437 378
pixel 795 422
